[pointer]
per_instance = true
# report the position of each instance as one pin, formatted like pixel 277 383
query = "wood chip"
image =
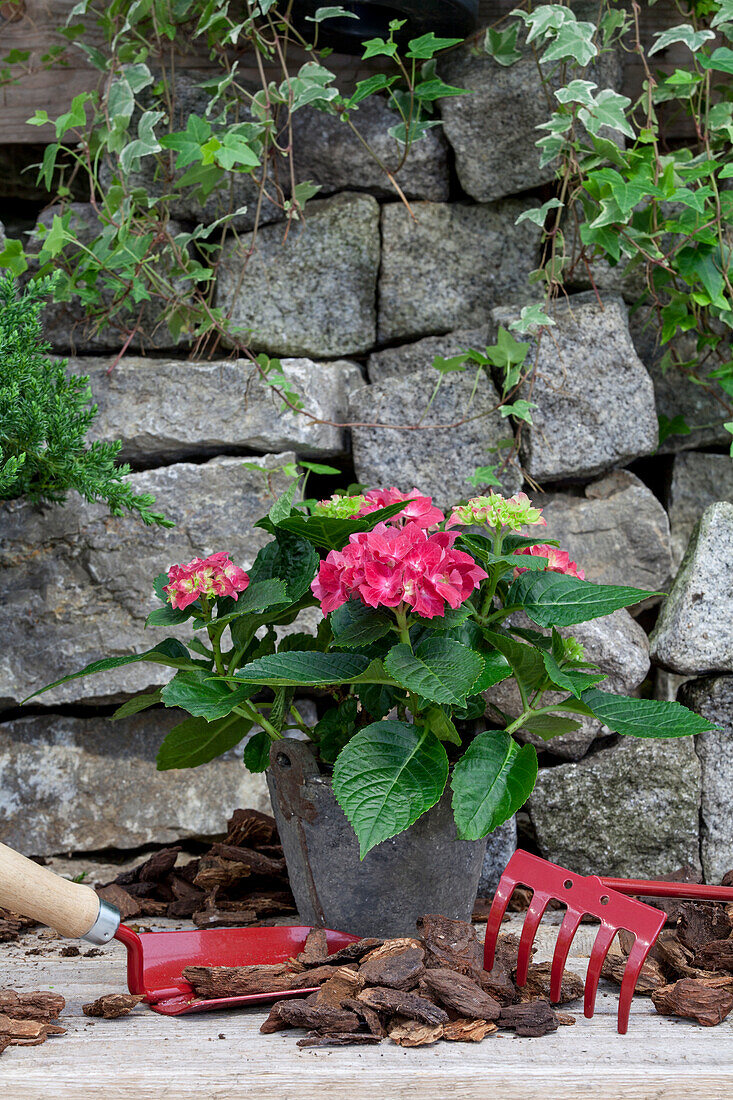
pixel 468 1031
pixel 452 944
pixel 385 948
pixel 529 1020
pixel 367 1014
pixel 297 1012
pixel 705 1000
pixel 401 970
pixel 348 1039
pixel 255 862
pixel 251 827
pixel 115 895
pixel 112 1005
pixel 236 981
pixel 716 955
pixel 315 948
pixel 23 1032
pixel 572 986
pixel 361 949
pixel 460 993
pixel 38 1005
pixel 344 984
pixel 224 918
pixel 398 1003
pixel 651 977
pixel 215 873
pixel 565 1019
pixel 412 1033
pixel 699 923
pixel 158 866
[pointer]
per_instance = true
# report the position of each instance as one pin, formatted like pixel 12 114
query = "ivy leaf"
pixel 502 45
pixel 427 45
pixel 554 599
pixel 377 83
pixel 574 40
pixel 256 754
pixel 197 741
pixel 491 781
pixel 386 777
pixel 333 12
pixel 609 109
pixel 644 717
pixel 683 32
pixel 538 214
pixel 440 669
pixel 377 47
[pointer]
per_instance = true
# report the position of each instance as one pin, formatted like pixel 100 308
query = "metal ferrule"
pixel 105 926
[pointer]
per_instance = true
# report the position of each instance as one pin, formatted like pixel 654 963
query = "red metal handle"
pixel 640 887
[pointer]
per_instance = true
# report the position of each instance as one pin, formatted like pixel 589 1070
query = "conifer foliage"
pixel 45 416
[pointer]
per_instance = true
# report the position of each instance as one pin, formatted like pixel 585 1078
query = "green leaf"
pixel 496 669
pixel 355 625
pixel 525 660
pixel 502 45
pixel 287 558
pixel 427 45
pixel 377 47
pixel 386 777
pixel 538 214
pixel 548 726
pixel 683 32
pixel 308 668
pixel 256 755
pixel 439 723
pixel 135 705
pixel 554 599
pixel 335 729
pixel 574 40
pixel 196 692
pixel 330 533
pixel 721 60
pixel 440 669
pixel 196 741
pixel 333 12
pixel 492 780
pixel 169 652
pixel 169 616
pixel 261 594
pixel 283 506
pixel 644 717
pixel 569 679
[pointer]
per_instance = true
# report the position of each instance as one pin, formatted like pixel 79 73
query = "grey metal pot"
pixel 423 870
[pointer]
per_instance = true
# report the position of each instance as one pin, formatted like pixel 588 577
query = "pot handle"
pixel 72 908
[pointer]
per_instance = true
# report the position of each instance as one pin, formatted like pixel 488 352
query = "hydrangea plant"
pixel 419 621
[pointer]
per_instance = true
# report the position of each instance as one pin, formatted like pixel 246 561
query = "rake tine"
pixel 603 941
pixel 636 959
pixel 503 894
pixel 532 920
pixel 565 937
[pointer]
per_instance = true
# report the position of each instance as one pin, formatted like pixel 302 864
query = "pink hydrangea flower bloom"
pixel 418 509
pixel 392 566
pixel 214 576
pixel 558 561
pixel 508 513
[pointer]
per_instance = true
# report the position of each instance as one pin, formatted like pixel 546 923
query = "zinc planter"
pixel 423 870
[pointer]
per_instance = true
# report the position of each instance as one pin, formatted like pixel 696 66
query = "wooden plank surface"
pixel 185 1058
pixel 53 89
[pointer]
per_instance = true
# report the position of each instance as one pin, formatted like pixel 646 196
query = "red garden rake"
pixel 604 898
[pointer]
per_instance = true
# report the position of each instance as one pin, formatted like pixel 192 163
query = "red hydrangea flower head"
pixel 418 509
pixel 214 576
pixel 390 566
pixel 558 561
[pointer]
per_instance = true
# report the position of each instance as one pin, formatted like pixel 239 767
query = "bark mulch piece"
pixel 462 995
pixel 299 1013
pixel 396 1003
pixel 110 1006
pixel 452 944
pixel 706 1000
pixel 315 948
pixel 402 970
pixel 572 986
pixel 698 923
pixel 236 882
pixel 529 1020
pixel 412 1033
pixel 468 1031
pixel 715 955
pixel 348 1039
pixel 27 1019
pixel 12 925
pixel 236 981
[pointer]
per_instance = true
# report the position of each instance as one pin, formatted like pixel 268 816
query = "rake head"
pixel 582 896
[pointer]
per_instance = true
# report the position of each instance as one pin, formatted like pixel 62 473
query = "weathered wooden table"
pixel 222 1056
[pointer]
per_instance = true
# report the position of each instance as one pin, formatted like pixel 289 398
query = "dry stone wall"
pixel 358 299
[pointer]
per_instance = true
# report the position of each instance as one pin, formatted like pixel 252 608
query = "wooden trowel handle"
pixel 70 907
